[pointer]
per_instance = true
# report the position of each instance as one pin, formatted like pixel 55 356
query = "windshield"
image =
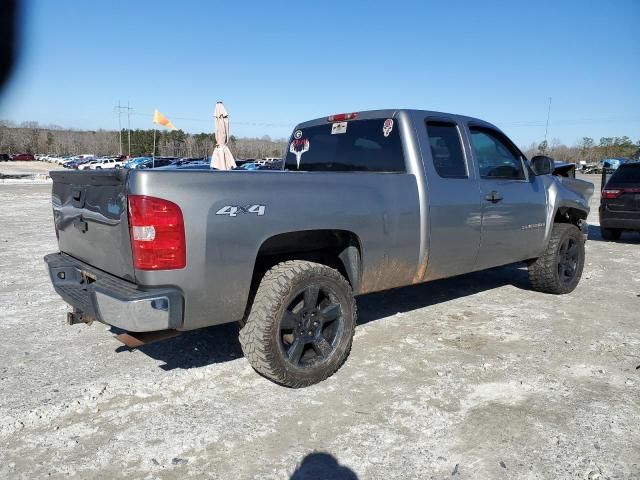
pixel 357 145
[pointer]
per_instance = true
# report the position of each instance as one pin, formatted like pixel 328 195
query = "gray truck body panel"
pixel 410 227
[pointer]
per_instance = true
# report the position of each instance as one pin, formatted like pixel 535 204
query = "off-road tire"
pixel 260 336
pixel 544 271
pixel 610 233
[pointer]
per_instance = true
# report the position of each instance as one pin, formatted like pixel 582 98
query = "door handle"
pixel 493 197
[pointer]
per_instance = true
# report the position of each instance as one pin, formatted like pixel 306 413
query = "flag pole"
pixel 153 161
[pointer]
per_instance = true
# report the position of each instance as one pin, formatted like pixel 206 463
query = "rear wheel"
pixel 301 324
pixel 559 268
pixel 610 233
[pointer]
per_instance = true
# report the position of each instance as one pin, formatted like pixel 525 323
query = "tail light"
pixel 342 117
pixel 611 193
pixel 157 234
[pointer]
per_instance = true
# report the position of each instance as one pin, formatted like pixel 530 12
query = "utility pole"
pixel 119 128
pixel 128 109
pixel 546 129
pixel 129 124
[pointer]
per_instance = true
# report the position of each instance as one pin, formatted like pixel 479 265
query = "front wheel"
pixel 301 324
pixel 559 268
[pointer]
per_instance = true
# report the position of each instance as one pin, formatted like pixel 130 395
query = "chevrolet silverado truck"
pixel 365 202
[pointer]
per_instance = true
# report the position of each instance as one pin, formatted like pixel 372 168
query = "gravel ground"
pixel 13 168
pixel 473 377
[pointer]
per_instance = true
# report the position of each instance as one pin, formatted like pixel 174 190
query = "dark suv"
pixel 5 157
pixel 620 202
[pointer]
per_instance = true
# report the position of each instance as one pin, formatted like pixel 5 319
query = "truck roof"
pixel 392 113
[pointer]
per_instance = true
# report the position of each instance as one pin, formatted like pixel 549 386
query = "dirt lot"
pixel 474 377
pixel 16 168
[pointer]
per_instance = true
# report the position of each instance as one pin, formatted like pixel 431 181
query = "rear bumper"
pixel 112 300
pixel 622 223
pixel 622 220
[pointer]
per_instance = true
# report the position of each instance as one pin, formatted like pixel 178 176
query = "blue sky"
pixel 276 63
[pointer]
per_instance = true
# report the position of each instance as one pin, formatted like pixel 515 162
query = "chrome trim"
pixel 134 316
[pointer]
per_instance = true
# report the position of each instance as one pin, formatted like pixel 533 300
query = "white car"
pixel 88 165
pixel 59 159
pixel 108 162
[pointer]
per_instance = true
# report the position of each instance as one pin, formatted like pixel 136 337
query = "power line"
pixel 235 122
pixel 128 108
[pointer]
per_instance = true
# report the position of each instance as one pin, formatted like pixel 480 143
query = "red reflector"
pixel 157 234
pixel 342 117
pixel 611 193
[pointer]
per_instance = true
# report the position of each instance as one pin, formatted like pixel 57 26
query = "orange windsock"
pixel 160 119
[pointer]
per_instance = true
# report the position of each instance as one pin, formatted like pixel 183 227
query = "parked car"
pixel 77 161
pixel 5 157
pixel 70 163
pixel 149 162
pixel 251 166
pixel 106 162
pixel 200 165
pixel 190 160
pixel 59 159
pixel 367 201
pixel 620 202
pixel 254 166
pixel 88 164
pixel 612 163
pixel 242 161
pixel 23 157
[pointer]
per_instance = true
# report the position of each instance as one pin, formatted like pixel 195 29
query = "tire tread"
pixel 543 270
pixel 255 337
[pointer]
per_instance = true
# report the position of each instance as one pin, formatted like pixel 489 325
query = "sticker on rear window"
pixel 298 147
pixel 340 127
pixel 298 134
pixel 387 127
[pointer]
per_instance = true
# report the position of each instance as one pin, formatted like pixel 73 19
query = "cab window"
pixel 446 149
pixel 496 157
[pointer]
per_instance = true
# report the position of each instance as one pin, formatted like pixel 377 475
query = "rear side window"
pixel 496 157
pixel 626 174
pixel 446 149
pixel 353 146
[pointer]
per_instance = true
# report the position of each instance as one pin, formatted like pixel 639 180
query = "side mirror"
pixel 542 165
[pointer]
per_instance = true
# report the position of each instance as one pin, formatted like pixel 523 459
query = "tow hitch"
pixel 76 316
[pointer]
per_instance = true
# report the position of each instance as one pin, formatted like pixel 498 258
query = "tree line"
pixel 586 149
pixel 31 137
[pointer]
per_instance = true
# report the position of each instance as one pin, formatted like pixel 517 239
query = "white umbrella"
pixel 222 158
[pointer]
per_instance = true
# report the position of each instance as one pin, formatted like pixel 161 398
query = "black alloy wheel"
pixel 300 327
pixel 310 326
pixel 568 257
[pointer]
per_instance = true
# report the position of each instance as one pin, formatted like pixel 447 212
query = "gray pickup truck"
pixel 365 202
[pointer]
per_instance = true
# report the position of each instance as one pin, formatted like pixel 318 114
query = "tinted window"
pixel 446 150
pixel 626 174
pixel 495 156
pixel 363 145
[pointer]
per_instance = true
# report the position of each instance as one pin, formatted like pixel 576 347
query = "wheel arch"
pixel 569 214
pixel 339 249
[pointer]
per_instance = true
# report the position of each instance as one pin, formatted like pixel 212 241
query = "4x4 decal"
pixel 234 210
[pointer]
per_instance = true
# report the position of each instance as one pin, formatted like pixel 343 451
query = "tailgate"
pixel 90 215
